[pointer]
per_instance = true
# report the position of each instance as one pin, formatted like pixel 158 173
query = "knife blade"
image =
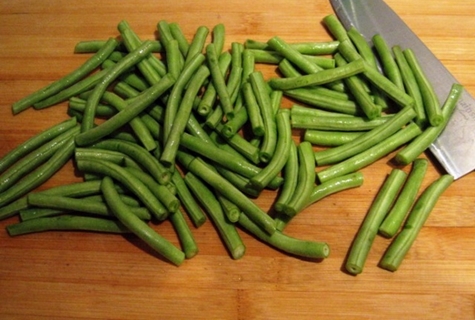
pixel 455 147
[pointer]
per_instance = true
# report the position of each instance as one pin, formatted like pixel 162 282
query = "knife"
pixel 455 147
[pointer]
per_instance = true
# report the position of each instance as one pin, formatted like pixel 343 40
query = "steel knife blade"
pixel 455 147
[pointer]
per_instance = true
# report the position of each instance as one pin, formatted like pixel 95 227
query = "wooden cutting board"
pixel 60 275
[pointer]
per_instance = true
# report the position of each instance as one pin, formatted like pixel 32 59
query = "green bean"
pixel 175 60
pixel 172 143
pixel 102 110
pixel 366 52
pixel 38 176
pixel 298 247
pixel 314 97
pixel 259 87
pixel 78 205
pixel 120 174
pixel 140 155
pixel 240 144
pixel 138 227
pixel 66 81
pixel 291 170
pixel 197 43
pixel 314 48
pixel 224 187
pixel 34 142
pixel 218 34
pixel 36 213
pixel 329 138
pixel 277 162
pixel 232 126
pixel 209 96
pixel 164 32
pixel 366 140
pixel 388 62
pixel 338 123
pixel 122 117
pixel 414 149
pixel 369 228
pixel 253 110
pixel 431 101
pixel 234 79
pixel 335 27
pixel 130 60
pixel 79 87
pixel 298 110
pixel 306 179
pixel 224 158
pixel 132 42
pixel 138 127
pixel 230 209
pixel 178 35
pixel 66 222
pixel 186 198
pixel 370 155
pixel 226 229
pixel 291 54
pixel 318 78
pixel 332 186
pixel 219 81
pixel 248 65
pixel 187 240
pixel 176 93
pixel 37 157
pixel 411 86
pixel 399 247
pixel 161 192
pixel 405 200
pixel 362 97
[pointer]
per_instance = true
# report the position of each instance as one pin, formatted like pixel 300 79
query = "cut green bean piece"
pixel 298 247
pixel 113 72
pixel 123 117
pixel 399 247
pixel 253 110
pixel 370 155
pixel 388 62
pixel 411 86
pixel 365 236
pixel 414 149
pixel 306 179
pixel 318 78
pixel 341 123
pixel 431 101
pixel 181 119
pixel 40 175
pixel 186 198
pixel 224 187
pixel 66 81
pixel 291 54
pixel 291 170
pixel 226 229
pixel 197 43
pixel 138 227
pixel 187 240
pixel 132 183
pixel 178 35
pixel 66 222
pixel 366 140
pixel 277 162
pixel 329 138
pixel 34 142
pixel 405 200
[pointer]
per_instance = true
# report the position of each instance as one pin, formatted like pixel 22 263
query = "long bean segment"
pixel 369 229
pixel 398 249
pixel 138 227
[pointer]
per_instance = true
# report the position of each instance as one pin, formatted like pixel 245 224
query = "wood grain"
pixel 95 276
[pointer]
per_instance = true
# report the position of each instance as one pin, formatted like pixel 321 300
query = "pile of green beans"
pixel 192 131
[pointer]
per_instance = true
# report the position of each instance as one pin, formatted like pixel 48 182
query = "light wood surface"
pixel 60 275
